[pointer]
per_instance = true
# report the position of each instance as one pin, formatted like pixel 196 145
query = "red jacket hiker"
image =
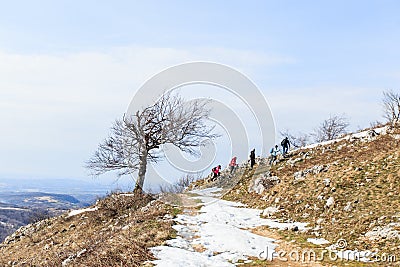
pixel 216 171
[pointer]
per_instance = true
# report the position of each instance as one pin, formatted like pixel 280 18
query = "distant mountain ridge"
pixel 23 201
pixel 34 199
pixel 58 185
pixel 21 208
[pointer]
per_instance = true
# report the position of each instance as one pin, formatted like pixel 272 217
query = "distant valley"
pixel 27 201
pixel 21 208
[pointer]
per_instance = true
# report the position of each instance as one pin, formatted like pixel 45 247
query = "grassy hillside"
pixel 116 232
pixel 22 208
pixel 348 190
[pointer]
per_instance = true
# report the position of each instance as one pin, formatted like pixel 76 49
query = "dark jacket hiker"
pixel 252 158
pixel 285 146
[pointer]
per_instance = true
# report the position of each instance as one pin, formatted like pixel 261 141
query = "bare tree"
pixel 135 140
pixel 179 186
pixel 391 106
pixel 331 128
pixel 375 124
pixel 297 140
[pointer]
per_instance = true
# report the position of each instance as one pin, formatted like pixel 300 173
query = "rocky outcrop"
pixel 262 183
pixel 27 230
pixel 330 202
pixel 384 232
pixel 301 175
pixel 268 212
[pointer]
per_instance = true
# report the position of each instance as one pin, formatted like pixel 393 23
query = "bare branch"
pixel 297 140
pixel 391 106
pixel 331 128
pixel 115 153
pixel 179 186
pixel 136 139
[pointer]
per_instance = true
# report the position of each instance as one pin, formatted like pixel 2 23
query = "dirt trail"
pixel 283 246
pixel 215 232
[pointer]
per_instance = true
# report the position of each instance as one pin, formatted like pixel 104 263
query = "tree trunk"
pixel 142 173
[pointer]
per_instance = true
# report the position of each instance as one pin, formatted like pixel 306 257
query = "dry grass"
pixel 119 233
pixel 364 174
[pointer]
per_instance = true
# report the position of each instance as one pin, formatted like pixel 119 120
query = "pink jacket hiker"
pixel 233 162
pixel 232 165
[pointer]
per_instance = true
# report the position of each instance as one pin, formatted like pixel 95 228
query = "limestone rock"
pixel 348 207
pixel 384 232
pixel 330 202
pixel 301 175
pixel 268 212
pixel 263 183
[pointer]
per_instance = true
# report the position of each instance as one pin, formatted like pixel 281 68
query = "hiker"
pixel 216 171
pixel 252 158
pixel 232 165
pixel 285 146
pixel 274 153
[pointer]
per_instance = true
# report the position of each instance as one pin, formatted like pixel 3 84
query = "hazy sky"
pixel 69 68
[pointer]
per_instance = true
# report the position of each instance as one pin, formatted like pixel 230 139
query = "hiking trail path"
pixel 216 232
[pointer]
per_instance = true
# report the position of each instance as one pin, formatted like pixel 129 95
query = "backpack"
pixel 272 150
pixel 283 142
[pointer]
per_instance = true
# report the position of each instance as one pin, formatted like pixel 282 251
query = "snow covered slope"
pixel 221 230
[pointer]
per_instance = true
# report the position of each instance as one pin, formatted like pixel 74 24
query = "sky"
pixel 69 68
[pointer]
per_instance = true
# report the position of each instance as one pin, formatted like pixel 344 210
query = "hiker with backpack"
pixel 232 165
pixel 216 171
pixel 285 146
pixel 274 153
pixel 252 158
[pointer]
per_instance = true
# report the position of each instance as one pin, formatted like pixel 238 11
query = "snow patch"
pixel 269 211
pixel 10 208
pixel 76 212
pixel 208 192
pixel 222 229
pixel 171 256
pixel 363 134
pixel 228 238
